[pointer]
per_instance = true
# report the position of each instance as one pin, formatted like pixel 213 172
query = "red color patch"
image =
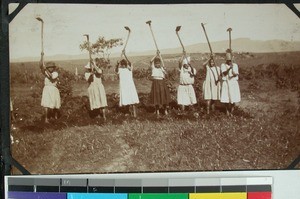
pixel 259 195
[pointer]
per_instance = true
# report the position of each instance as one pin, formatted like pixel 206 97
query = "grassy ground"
pixel 262 134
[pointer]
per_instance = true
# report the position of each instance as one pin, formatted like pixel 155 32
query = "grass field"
pixel 262 134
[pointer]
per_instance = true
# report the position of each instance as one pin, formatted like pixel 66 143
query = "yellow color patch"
pixel 239 195
pixel 205 196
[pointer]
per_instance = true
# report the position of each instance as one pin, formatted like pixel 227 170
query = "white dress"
pixel 230 92
pixel 211 91
pixel 128 93
pixel 50 95
pixel 96 92
pixel 185 93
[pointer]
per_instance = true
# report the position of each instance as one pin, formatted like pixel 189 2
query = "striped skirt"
pixel 160 94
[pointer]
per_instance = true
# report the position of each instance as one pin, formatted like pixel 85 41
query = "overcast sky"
pixel 65 25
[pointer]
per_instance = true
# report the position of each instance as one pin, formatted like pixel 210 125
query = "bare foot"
pixel 227 113
pixel 213 108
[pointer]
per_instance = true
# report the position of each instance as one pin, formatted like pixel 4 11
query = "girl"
pixel 185 93
pixel 96 91
pixel 50 96
pixel 211 85
pixel 230 93
pixel 159 95
pixel 127 90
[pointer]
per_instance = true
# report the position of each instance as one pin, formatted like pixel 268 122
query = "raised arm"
pixel 180 62
pixel 227 71
pixel 205 63
pixel 98 71
pixel 224 69
pixel 129 65
pixel 98 67
pixel 152 60
pixel 123 52
pixel 44 71
pixel 161 60
pixel 92 64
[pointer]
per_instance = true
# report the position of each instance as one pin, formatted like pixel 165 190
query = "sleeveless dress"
pixel 230 92
pixel 185 92
pixel 50 95
pixel 211 91
pixel 96 92
pixel 127 89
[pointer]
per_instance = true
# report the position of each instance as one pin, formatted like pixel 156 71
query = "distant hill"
pixel 59 57
pixel 238 45
pixel 241 45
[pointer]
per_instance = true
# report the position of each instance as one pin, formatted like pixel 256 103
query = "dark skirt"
pixel 160 94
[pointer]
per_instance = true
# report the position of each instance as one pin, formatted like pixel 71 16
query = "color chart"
pixel 173 187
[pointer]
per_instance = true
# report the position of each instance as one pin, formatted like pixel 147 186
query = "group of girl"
pixel 220 85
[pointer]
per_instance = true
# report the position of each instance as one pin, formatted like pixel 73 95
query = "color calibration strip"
pixel 148 188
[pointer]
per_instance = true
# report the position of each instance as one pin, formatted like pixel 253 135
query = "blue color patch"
pixel 36 195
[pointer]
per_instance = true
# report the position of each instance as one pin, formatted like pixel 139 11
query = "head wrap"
pixel 88 66
pixel 228 57
pixel 50 64
pixel 186 60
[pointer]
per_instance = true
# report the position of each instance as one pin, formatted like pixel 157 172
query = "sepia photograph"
pixel 100 88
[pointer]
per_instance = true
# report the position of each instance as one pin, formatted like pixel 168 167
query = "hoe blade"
pixel 40 19
pixel 127 28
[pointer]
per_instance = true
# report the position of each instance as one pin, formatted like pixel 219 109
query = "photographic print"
pixel 100 88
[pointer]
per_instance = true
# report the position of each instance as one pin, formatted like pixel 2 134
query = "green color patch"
pixel 159 196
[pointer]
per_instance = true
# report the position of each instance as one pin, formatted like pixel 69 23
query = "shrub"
pixel 66 80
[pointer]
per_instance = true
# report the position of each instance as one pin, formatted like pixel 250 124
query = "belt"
pixel 158 78
pixel 185 84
